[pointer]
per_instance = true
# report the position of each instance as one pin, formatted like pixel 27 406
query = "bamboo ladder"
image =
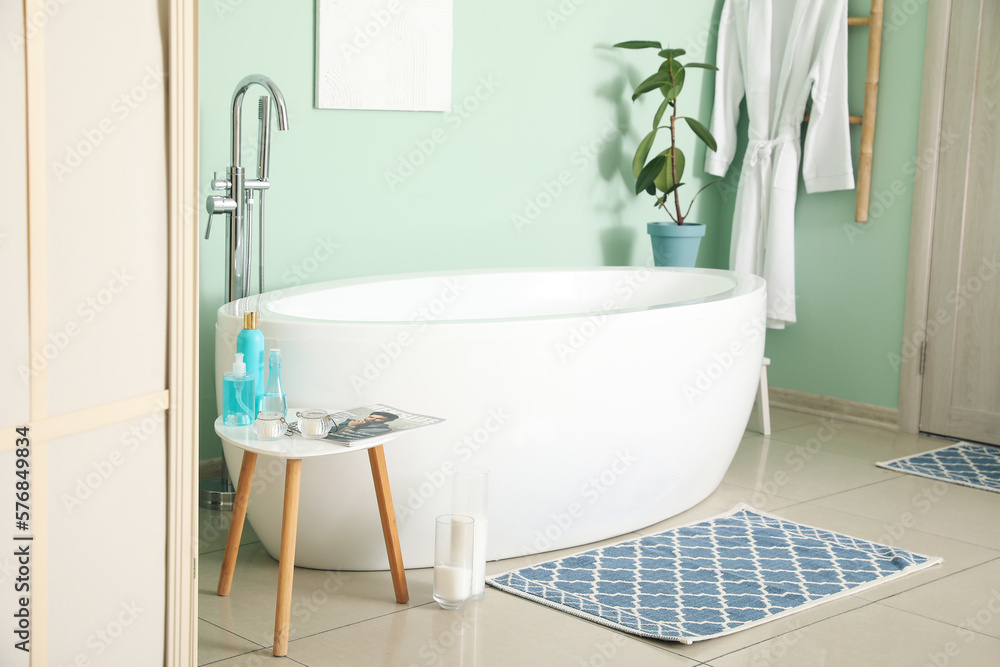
pixel 867 118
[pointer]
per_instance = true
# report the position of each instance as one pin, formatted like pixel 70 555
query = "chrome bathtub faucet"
pixel 238 202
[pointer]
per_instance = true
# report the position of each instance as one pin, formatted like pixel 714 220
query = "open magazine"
pixel 370 421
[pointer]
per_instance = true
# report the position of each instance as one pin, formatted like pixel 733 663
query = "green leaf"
pixel 638 45
pixel 663 198
pixel 703 66
pixel 665 179
pixel 651 189
pixel 655 81
pixel 702 132
pixel 673 187
pixel 673 71
pixel 704 187
pixel 649 173
pixel 659 113
pixel 642 152
pixel 671 53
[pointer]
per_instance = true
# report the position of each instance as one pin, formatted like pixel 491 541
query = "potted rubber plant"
pixel 675 243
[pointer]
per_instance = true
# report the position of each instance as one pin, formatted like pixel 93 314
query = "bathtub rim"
pixel 745 285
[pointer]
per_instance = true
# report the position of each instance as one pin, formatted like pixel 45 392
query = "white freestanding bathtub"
pixel 601 400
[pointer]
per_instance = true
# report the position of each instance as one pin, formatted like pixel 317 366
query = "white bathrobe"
pixel 778 53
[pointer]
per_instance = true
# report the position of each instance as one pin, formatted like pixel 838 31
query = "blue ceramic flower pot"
pixel 673 244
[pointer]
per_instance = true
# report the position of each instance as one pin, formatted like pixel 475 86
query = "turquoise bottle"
pixel 274 394
pixel 250 343
pixel 237 395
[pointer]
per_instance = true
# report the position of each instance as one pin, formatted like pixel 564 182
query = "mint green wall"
pixel 536 93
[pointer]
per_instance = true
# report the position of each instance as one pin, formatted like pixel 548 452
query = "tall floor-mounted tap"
pixel 238 202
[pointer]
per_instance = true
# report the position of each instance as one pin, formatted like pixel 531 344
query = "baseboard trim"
pixel 209 468
pixel 837 408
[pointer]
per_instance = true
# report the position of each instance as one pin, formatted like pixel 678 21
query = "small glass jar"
pixel 314 424
pixel 270 425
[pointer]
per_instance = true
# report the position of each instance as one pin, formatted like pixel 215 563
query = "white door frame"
pixel 922 217
pixel 181 631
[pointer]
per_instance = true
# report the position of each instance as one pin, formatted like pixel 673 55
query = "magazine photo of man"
pixel 375 423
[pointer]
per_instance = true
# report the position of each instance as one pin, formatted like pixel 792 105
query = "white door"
pixel 98 267
pixel 961 381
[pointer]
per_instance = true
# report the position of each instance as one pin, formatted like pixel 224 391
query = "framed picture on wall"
pixel 384 54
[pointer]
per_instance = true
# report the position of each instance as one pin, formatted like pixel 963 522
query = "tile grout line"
pixel 801 627
pixel 934 581
pixel 239 655
pixel 215 662
pixel 359 622
pixel 928 436
pixel 853 488
pixel 937 620
pixel 236 634
pixel 215 551
pixel 872 518
pixel 319 632
pixel 797 501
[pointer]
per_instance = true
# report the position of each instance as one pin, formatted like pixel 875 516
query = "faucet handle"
pixel 220 183
pixel 217 204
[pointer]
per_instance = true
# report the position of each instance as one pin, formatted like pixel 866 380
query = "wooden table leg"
pixel 286 558
pixel 381 478
pixel 236 522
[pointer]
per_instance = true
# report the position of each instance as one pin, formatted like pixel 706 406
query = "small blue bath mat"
pixel 972 465
pixel 711 578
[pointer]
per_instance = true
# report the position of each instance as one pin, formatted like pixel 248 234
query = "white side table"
pixel 293 449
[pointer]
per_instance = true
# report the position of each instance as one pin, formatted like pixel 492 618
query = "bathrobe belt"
pixel 765 153
pixel 761 149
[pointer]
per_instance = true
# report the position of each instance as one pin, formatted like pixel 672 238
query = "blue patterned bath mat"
pixel 710 578
pixel 972 465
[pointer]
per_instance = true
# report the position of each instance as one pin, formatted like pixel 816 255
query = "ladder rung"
pixel 855 120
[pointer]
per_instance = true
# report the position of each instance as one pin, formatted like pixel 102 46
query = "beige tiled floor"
pixel 812 471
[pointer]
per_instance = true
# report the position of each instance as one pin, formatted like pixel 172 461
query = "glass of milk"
pixel 454 538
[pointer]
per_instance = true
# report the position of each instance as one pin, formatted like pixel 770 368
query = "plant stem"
pixel 673 150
